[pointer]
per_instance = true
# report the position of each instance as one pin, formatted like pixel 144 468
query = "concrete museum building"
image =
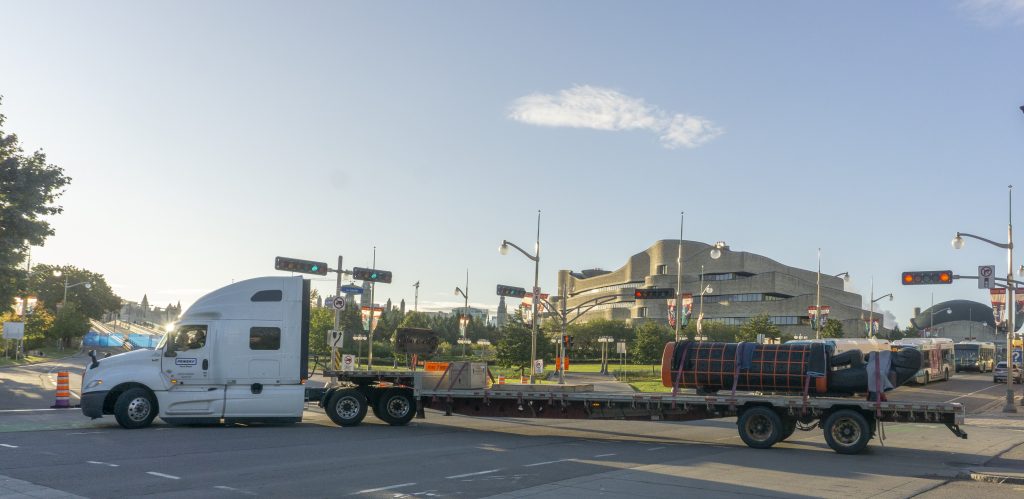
pixel 738 285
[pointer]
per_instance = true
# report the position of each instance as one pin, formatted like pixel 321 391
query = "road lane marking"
pixel 232 489
pixel 378 489
pixel 30 410
pixel 549 462
pixel 972 393
pixel 464 475
pixel 162 475
pixel 9 446
pixel 604 455
pixel 86 433
pixel 656 448
pixel 112 465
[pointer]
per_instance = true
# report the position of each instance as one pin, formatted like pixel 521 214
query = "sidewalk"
pixel 1007 467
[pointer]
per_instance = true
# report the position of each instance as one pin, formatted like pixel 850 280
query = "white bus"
pixel 975 356
pixel 840 345
pixel 937 357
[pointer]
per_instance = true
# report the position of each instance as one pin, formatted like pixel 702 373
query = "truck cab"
pixel 236 355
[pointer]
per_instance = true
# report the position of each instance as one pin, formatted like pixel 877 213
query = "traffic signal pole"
pixel 337 320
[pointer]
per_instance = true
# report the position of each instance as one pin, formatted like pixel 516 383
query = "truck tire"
pixel 847 431
pixel 346 407
pixel 396 406
pixel 760 427
pixel 134 408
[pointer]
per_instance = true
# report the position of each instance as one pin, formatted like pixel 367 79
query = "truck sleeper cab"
pixel 233 356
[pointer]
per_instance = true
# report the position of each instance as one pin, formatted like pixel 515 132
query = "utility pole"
pixel 337 320
pixel 369 354
pixel 416 297
pixel 679 272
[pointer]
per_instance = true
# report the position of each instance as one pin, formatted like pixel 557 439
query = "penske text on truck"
pixel 239 354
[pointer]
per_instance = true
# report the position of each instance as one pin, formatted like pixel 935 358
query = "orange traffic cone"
pixel 63 391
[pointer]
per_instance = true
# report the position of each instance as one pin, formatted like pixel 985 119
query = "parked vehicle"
pixel 999 373
pixel 239 354
pixel 937 357
pixel 977 356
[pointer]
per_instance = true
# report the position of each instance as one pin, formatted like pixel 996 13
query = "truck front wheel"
pixel 134 409
pixel 396 406
pixel 346 407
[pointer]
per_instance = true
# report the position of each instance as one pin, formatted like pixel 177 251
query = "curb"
pixel 994 475
pixel 41 361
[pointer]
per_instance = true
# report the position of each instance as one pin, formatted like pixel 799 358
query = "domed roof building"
pixel 960 320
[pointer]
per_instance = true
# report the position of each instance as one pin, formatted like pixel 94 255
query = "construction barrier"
pixel 63 391
pixel 524 379
pixel 501 380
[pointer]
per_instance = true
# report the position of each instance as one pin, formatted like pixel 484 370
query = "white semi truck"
pixel 239 354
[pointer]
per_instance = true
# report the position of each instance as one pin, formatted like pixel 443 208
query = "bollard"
pixel 63 391
pixel 501 380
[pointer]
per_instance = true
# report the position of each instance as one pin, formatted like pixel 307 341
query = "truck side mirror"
pixel 169 348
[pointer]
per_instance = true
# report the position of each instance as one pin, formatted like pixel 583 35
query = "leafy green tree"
pixel 513 349
pixel 832 329
pixel 69 323
pixel 585 335
pixel 29 188
pixel 321 320
pixel 93 302
pixel 759 324
pixel 650 342
pixel 37 324
pixel 416 319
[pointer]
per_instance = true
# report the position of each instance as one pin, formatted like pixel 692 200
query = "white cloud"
pixel 584 106
pixel 995 11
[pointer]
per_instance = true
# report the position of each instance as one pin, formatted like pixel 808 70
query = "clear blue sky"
pixel 205 138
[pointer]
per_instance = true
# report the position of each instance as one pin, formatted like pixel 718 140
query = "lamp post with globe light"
pixel 871 307
pixel 1011 285
pixel 464 316
pixel 503 249
pixel 58 273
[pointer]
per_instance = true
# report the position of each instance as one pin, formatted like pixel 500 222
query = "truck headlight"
pixel 94 383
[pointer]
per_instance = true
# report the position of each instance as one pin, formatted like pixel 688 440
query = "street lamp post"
pixel 485 344
pixel 464 342
pixel 604 341
pixel 871 307
pixel 817 301
pixel 360 338
pixel 679 272
pixel 958 243
pixel 464 316
pixel 503 249
pixel 58 273
pixel 715 254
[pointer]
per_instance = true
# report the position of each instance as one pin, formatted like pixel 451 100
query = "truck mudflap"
pixel 955 428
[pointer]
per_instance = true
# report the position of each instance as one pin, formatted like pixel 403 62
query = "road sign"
pixel 339 303
pixel 1017 356
pixel 348 362
pixel 620 347
pixel 538 366
pixel 986 276
pixel 334 338
pixel 351 289
pixel 14 330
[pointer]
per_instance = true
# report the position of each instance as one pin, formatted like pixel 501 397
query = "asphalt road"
pixel 478 457
pixel 33 386
pixel 975 391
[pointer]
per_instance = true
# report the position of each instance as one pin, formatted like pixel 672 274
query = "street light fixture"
pixel 604 341
pixel 359 338
pixel 871 305
pixel 464 342
pixel 716 251
pixel 58 273
pixel 1011 286
pixel 485 344
pixel 503 249
pixel 464 316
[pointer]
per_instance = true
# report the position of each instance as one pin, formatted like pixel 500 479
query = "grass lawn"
pixel 49 353
pixel 649 386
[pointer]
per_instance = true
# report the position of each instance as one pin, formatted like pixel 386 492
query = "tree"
pixel 513 349
pixel 93 302
pixel 650 342
pixel 29 187
pixel 416 319
pixel 321 320
pixel 37 324
pixel 759 324
pixel 69 323
pixel 832 329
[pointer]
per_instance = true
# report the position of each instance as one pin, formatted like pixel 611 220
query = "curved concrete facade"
pixel 744 285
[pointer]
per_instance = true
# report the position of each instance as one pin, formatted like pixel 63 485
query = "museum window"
pixel 641 312
pixel 662 269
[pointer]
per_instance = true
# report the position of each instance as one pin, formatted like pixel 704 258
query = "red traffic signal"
pixel 654 293
pixel 928 277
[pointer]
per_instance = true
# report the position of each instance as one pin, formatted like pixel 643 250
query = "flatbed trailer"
pixel 763 419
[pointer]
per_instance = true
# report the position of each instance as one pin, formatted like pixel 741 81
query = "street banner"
pixel 365 313
pixel 684 316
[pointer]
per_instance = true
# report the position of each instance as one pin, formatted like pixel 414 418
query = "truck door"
pixel 195 391
pixel 263 378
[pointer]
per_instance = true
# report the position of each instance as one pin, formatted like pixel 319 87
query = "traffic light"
pixel 511 291
pixel 928 277
pixel 372 275
pixel 303 266
pixel 654 293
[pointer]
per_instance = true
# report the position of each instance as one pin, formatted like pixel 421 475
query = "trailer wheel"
pixel 396 406
pixel 847 431
pixel 346 407
pixel 134 409
pixel 760 427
